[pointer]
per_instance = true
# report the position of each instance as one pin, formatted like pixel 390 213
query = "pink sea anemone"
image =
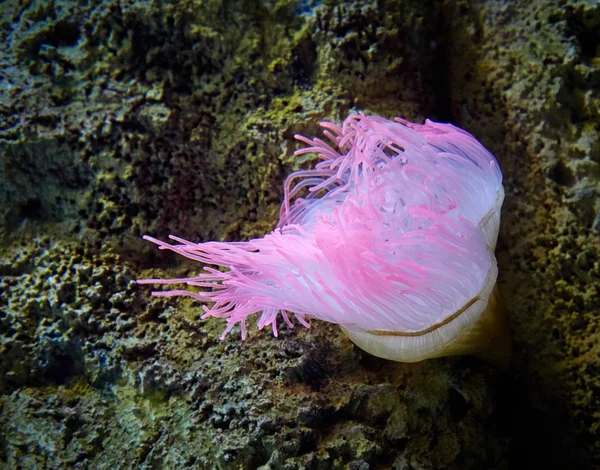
pixel 436 165
pixel 391 236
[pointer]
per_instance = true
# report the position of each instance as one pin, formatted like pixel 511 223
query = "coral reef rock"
pixel 119 118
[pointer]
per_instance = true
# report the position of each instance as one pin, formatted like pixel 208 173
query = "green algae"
pixel 125 118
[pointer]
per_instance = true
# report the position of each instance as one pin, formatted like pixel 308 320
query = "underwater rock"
pixel 131 117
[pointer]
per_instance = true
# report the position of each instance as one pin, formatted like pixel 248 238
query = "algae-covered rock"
pixel 119 118
pixel 525 80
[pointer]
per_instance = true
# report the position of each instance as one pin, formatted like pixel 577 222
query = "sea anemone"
pixel 391 236
pixel 432 164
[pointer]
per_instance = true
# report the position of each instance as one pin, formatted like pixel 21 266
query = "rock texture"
pixel 124 118
pixel 525 77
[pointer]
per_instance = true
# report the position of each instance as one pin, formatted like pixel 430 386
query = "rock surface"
pixel 124 118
